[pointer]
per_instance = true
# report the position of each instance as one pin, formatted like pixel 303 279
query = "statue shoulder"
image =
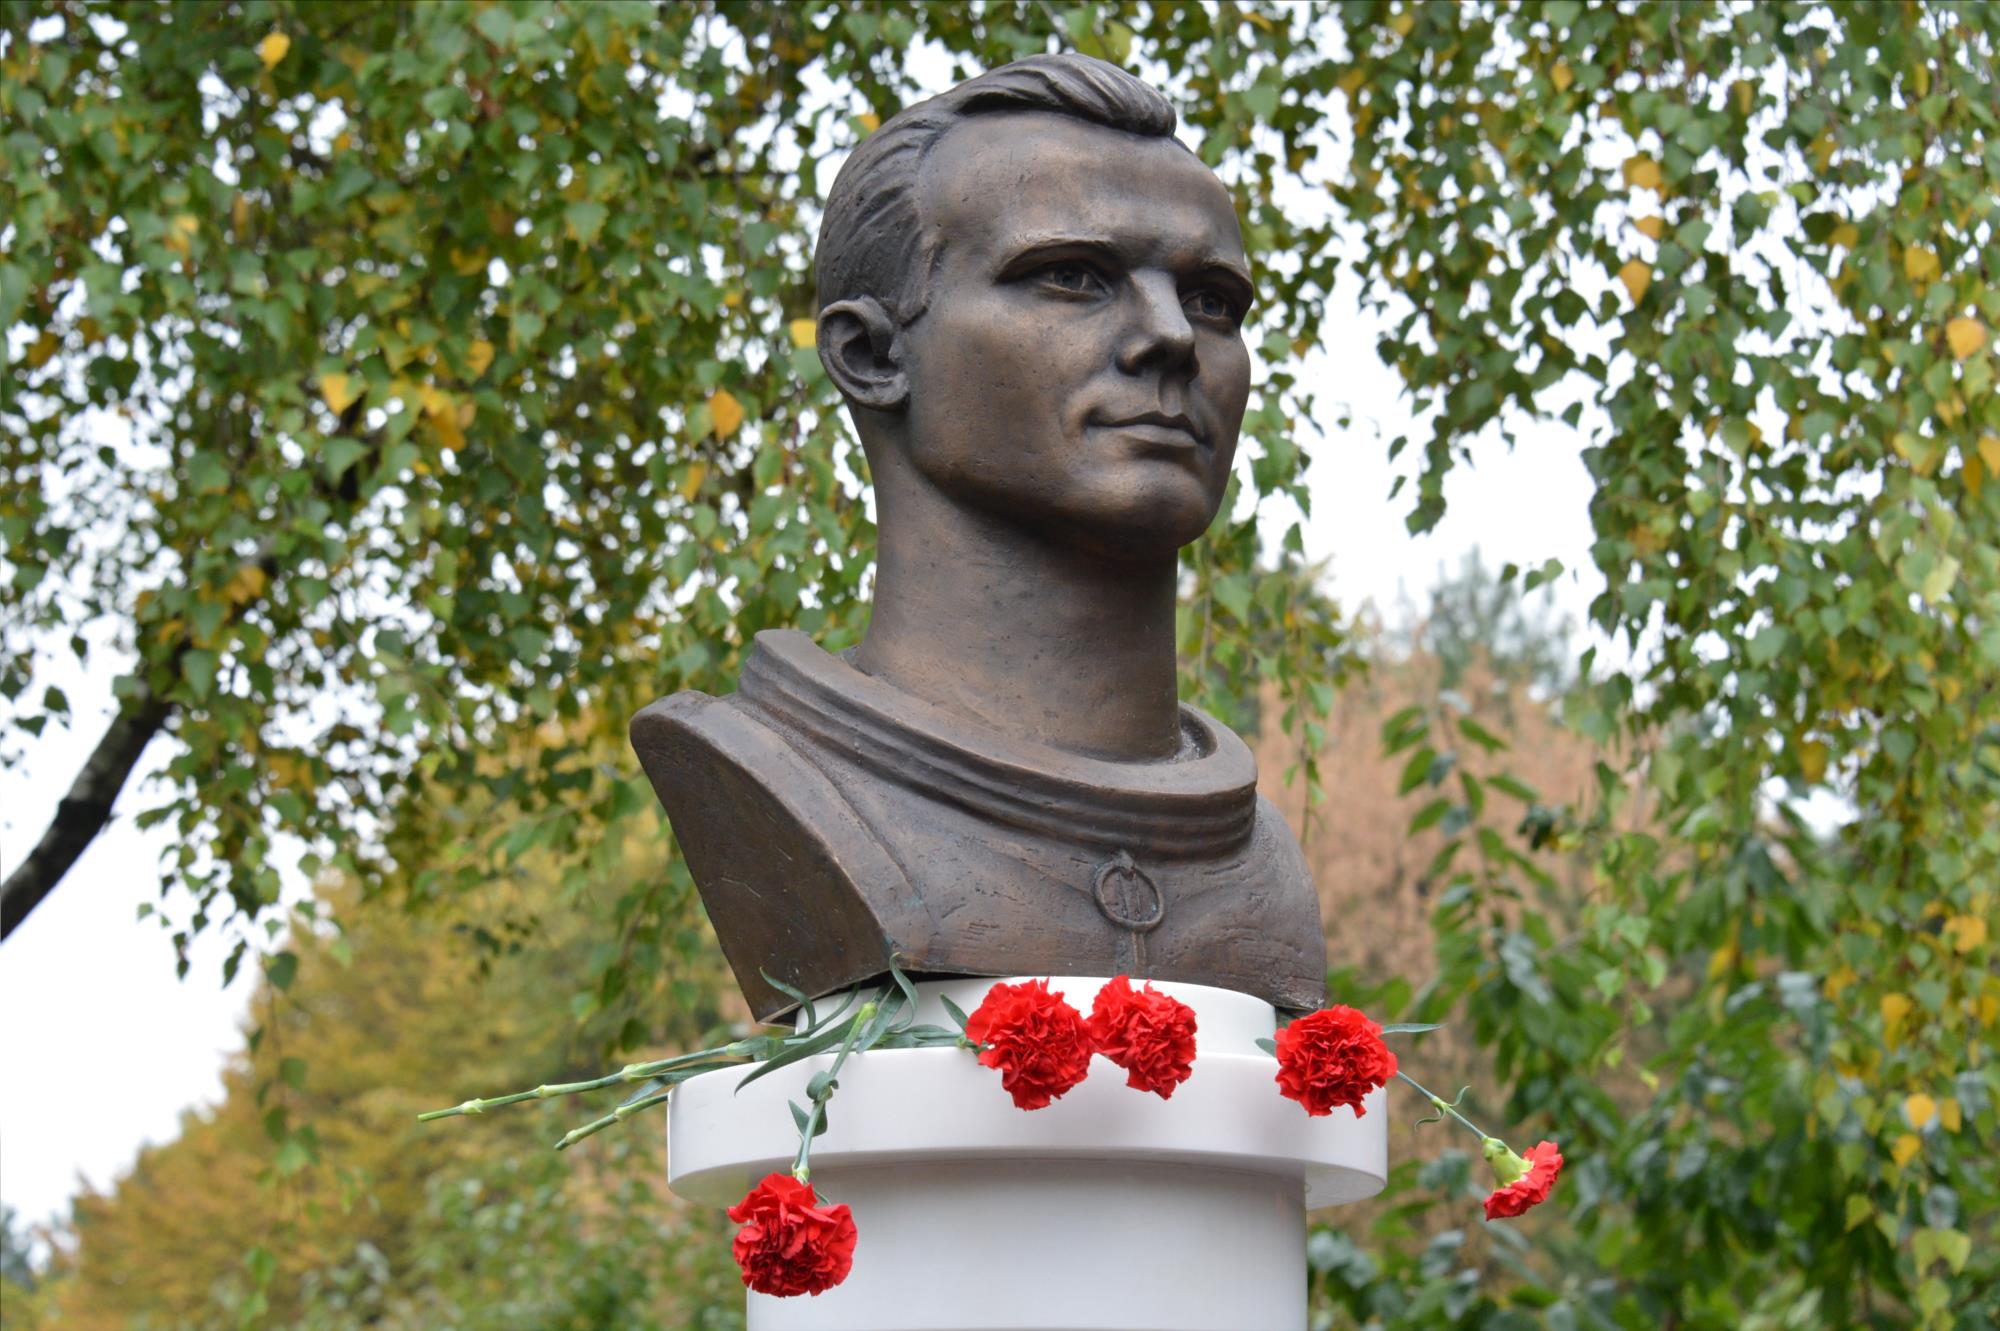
pixel 789 873
pixel 1292 911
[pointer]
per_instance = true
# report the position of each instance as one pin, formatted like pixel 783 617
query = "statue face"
pixel 1079 366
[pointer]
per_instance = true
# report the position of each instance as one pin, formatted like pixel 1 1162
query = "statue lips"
pixel 1173 433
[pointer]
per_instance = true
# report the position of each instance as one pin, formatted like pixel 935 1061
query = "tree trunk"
pixel 84 811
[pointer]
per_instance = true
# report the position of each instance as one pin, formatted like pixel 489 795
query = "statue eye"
pixel 1073 278
pixel 1208 303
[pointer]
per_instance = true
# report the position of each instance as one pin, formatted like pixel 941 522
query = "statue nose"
pixel 1160 337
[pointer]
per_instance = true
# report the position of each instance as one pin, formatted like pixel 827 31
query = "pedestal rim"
pixel 939 1104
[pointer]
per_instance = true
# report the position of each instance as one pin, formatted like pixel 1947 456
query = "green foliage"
pixel 385 1221
pixel 467 416
pixel 510 1245
pixel 454 349
pixel 24 1291
pixel 1788 391
pixel 1477 621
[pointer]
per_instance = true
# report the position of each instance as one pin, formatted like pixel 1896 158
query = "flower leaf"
pixel 823 1040
pixel 796 995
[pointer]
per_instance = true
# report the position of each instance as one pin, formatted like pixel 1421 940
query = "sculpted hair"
pixel 873 240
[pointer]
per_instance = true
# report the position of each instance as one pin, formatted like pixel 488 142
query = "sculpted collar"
pixel 1201 804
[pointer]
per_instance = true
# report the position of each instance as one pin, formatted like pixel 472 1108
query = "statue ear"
pixel 862 350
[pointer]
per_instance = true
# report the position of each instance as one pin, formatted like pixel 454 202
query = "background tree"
pixel 371 1218
pixel 24 1292
pixel 1788 393
pixel 1478 621
pixel 464 409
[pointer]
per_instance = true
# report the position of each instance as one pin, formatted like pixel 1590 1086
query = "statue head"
pixel 1031 295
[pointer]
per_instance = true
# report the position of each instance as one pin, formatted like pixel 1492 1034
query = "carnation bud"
pixel 1507 1167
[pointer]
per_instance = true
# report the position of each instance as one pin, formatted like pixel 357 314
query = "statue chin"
pixel 833 822
pixel 1139 508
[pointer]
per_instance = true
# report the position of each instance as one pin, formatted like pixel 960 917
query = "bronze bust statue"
pixel 1031 296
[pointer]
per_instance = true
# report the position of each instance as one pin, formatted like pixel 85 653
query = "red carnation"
pixel 1148 1033
pixel 1036 1039
pixel 1332 1057
pixel 1543 1163
pixel 791 1243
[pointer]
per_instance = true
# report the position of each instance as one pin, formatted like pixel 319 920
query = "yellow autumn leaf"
pixel 1895 1007
pixel 804 332
pixel 239 213
pixel 1974 475
pixel 690 485
pixel 726 412
pixel 181 232
pixel 1636 276
pixel 468 263
pixel 1989 449
pixel 1561 76
pixel 42 348
pixel 1812 761
pixel 1967 932
pixel 287 770
pixel 1906 1148
pixel 1919 1109
pixel 246 585
pixel 1642 172
pixel 273 48
pixel 478 356
pixel 1950 1117
pixel 870 121
pixel 1846 235
pixel 1965 336
pixel 1403 22
pixel 1652 228
pixel 436 402
pixel 448 430
pixel 338 391
pixel 1920 264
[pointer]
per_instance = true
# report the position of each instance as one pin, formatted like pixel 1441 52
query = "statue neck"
pixel 1038 641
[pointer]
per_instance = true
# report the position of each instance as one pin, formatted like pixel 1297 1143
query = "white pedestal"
pixel 1109 1210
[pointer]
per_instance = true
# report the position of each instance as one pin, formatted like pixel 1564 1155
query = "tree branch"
pixel 85 810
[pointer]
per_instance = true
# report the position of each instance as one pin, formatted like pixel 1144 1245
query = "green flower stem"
pixel 646 1071
pixel 802 1164
pixel 868 1028
pixel 1443 1108
pixel 723 1056
pixel 618 1115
